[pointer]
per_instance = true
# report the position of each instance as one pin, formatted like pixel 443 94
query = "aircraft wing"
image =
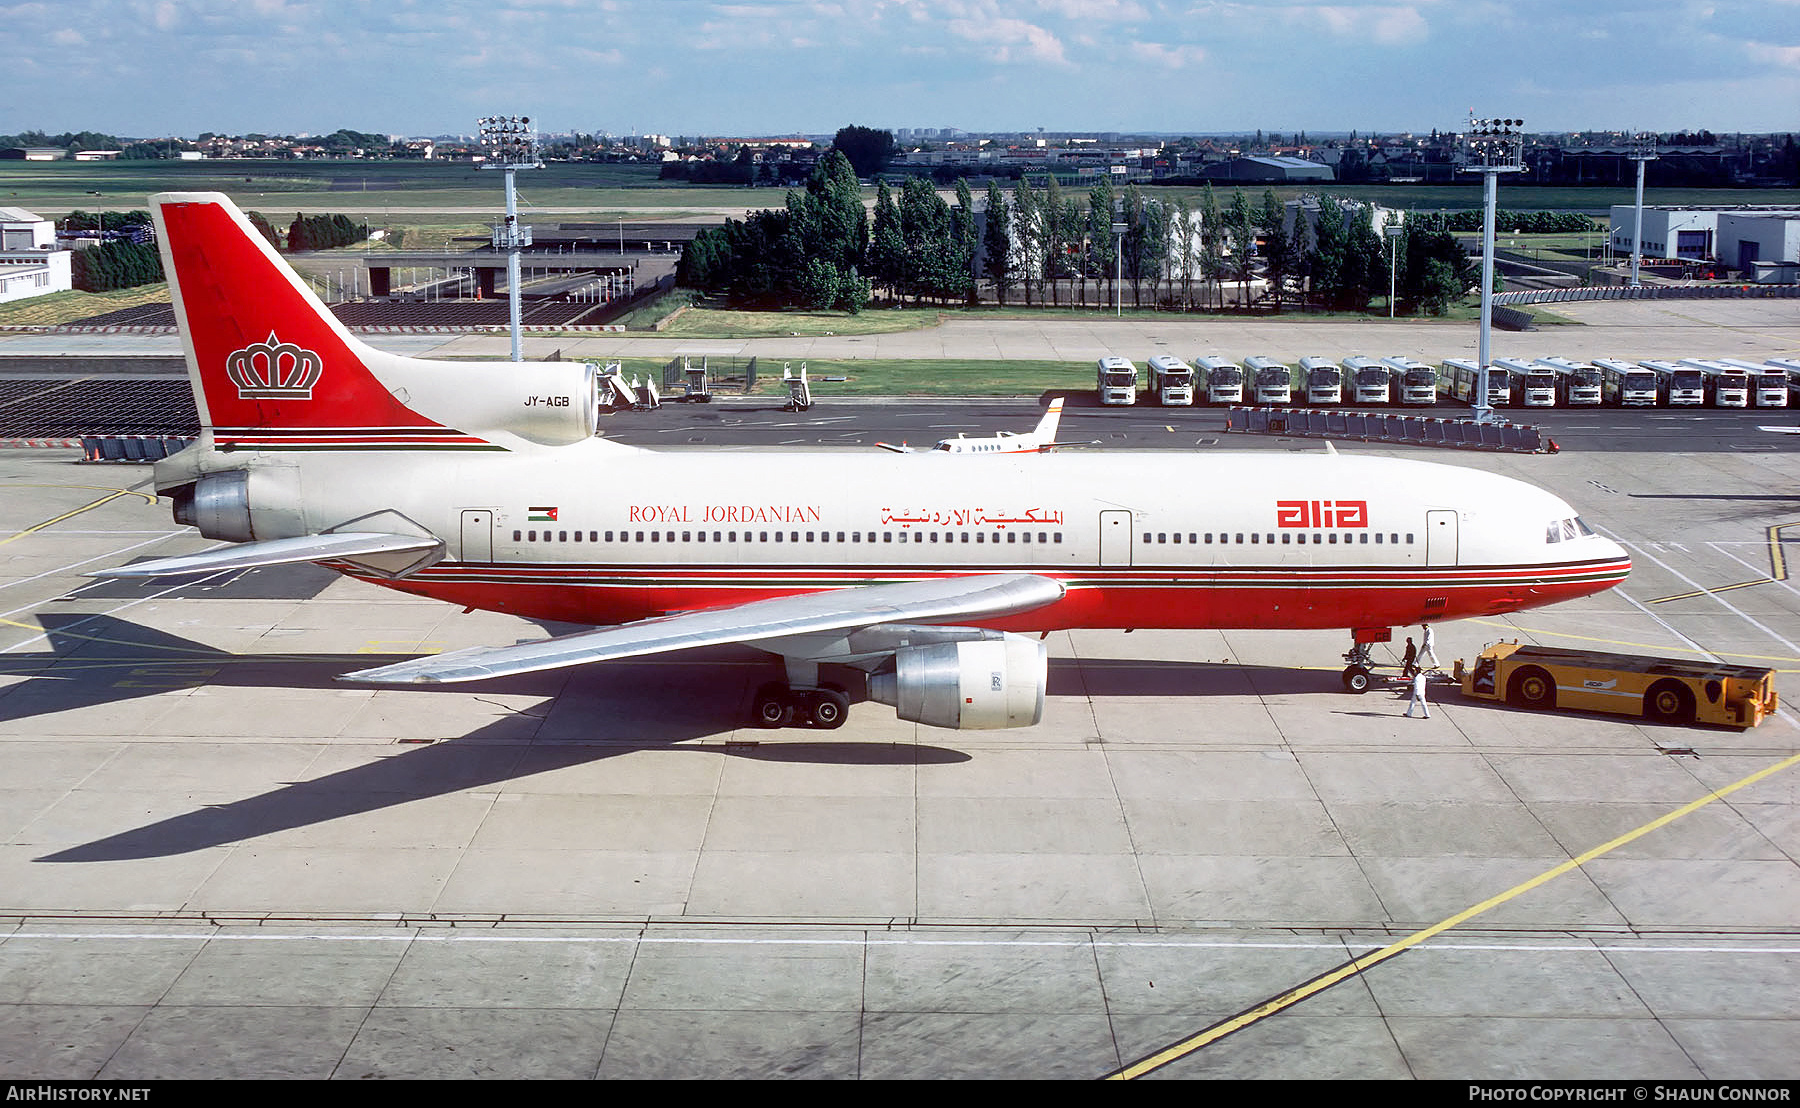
pixel 902 449
pixel 765 623
pixel 276 552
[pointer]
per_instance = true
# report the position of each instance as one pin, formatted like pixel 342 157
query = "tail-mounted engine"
pixel 218 505
pixel 970 685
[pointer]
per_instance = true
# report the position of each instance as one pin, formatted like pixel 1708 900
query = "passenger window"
pixel 516 536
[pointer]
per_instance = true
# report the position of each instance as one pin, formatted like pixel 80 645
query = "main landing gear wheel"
pixel 777 705
pixel 773 707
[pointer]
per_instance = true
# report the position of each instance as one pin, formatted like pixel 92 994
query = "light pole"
pixel 1497 146
pixel 511 145
pixel 1118 230
pixel 1643 150
pixel 1393 232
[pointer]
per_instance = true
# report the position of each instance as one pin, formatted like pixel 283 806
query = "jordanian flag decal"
pixel 542 515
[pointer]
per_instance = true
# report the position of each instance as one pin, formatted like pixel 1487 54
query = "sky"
pixel 153 68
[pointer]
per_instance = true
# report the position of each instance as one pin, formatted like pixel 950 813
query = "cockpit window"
pixel 1562 530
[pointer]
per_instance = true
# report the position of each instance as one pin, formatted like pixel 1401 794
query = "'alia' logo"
pixel 274 370
pixel 1321 513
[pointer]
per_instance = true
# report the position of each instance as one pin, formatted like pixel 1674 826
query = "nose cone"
pixel 1617 552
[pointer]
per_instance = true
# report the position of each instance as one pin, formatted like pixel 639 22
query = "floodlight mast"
pixel 512 145
pixel 1495 146
pixel 1643 150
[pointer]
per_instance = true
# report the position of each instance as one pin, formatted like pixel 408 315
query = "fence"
pixel 1408 430
pixel 1650 292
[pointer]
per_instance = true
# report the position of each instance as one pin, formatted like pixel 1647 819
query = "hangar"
pixel 1275 167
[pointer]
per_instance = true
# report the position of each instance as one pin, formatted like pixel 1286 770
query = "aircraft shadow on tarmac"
pixel 594 713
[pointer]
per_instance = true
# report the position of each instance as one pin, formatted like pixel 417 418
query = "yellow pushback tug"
pixel 1667 690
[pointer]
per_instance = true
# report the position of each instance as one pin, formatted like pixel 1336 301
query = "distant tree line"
pixel 1183 256
pixel 1050 248
pixel 115 265
pixel 807 254
pixel 1528 223
pixel 322 232
pixel 79 220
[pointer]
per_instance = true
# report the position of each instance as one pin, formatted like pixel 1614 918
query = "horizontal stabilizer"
pixel 769 623
pixel 277 552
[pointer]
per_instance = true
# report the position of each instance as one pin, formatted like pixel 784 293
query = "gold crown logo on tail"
pixel 274 370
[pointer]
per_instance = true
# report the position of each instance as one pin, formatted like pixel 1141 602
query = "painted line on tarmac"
pixel 72 513
pixel 205 930
pixel 1691 648
pixel 1176 1051
pixel 1777 568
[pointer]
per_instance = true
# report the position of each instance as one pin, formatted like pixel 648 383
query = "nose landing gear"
pixel 1358 674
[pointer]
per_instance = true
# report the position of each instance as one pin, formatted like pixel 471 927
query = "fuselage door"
pixel 1115 538
pixel 1440 538
pixel 477 535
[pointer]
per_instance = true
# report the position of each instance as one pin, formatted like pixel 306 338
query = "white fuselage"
pixel 598 533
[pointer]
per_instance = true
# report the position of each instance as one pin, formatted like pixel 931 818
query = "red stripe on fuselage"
pixel 1146 597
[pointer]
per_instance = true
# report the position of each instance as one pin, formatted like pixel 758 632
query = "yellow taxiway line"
pixel 1176 1051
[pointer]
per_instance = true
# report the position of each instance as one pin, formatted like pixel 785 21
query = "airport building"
pixel 31 264
pixel 1750 238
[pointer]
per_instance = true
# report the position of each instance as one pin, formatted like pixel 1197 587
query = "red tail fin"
pixel 270 365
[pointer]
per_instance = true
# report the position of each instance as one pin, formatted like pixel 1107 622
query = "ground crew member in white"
pixel 1428 657
pixel 1418 696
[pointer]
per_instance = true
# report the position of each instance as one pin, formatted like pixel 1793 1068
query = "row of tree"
pixel 819 251
pixel 809 253
pixel 115 265
pixel 1183 255
pixel 322 232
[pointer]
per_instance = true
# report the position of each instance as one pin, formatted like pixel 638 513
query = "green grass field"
pixel 630 191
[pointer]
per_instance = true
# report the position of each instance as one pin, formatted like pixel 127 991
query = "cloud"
pixel 1012 39
pixel 1770 54
pixel 1112 10
pixel 1390 26
pixel 1166 57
